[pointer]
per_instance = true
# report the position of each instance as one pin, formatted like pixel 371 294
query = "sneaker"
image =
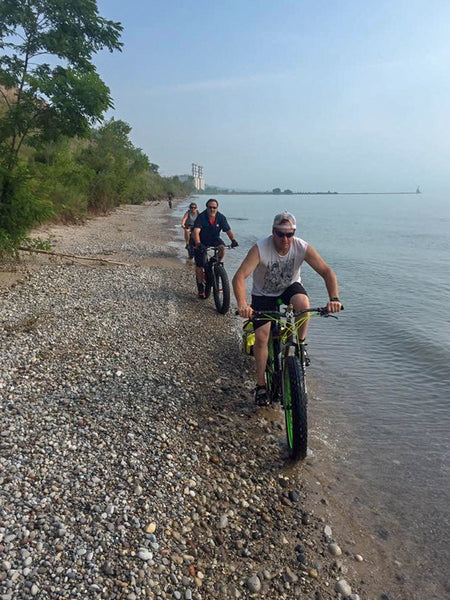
pixel 261 396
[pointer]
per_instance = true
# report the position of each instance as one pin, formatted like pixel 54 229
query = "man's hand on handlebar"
pixel 234 243
pixel 334 306
pixel 245 311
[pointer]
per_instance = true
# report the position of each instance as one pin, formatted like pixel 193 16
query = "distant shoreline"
pixel 226 193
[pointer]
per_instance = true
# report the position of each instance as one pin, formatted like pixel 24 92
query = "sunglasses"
pixel 192 206
pixel 213 207
pixel 280 234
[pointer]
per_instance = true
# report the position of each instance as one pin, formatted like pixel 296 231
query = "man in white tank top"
pixel 276 262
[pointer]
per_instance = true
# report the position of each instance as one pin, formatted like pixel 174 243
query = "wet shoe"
pixel 261 396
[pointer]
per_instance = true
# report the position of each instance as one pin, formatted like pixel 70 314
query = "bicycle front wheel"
pixel 295 408
pixel 272 373
pixel 221 289
pixel 208 280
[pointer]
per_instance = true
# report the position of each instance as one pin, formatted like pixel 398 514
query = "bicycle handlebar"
pixel 321 310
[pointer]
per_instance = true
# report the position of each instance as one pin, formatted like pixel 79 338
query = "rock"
pixel 294 496
pixel 253 583
pixel 151 528
pixel 328 533
pixel 343 588
pixel 145 554
pixel 223 523
pixel 334 549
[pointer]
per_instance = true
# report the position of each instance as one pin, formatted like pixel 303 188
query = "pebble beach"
pixel 133 463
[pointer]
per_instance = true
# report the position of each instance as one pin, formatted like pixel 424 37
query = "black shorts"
pixel 270 302
pixel 200 255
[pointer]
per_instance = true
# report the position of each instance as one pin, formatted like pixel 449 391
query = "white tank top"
pixel 274 272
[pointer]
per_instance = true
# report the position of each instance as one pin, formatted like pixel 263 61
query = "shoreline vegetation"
pixel 289 193
pixel 134 463
pixel 60 160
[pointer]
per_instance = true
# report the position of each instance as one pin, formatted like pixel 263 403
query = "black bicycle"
pixel 285 371
pixel 190 246
pixel 216 279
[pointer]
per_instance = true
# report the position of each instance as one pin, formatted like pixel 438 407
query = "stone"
pixel 334 549
pixel 343 588
pixel 253 583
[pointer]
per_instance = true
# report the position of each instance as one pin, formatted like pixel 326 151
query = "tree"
pixel 64 95
pixel 276 191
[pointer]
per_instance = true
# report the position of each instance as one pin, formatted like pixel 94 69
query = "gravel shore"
pixel 132 461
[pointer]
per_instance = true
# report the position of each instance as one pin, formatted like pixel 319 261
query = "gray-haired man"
pixel 275 262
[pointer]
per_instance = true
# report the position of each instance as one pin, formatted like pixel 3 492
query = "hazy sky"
pixel 346 95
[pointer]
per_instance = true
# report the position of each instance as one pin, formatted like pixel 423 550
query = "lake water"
pixel 383 369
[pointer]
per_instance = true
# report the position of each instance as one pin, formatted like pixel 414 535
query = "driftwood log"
pixel 76 256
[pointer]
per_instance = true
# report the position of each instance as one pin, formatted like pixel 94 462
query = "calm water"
pixel 383 369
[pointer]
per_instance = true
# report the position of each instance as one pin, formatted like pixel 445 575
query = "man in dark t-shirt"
pixel 206 232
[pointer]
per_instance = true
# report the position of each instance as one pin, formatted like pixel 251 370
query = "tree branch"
pixel 5 97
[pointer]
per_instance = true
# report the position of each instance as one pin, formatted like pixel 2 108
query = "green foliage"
pixel 36 243
pixel 48 99
pixel 120 171
pixel 62 180
pixel 20 208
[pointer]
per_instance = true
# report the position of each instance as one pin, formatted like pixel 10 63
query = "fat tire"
pixel 221 289
pixel 295 408
pixel 272 375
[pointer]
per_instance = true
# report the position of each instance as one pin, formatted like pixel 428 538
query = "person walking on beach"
pixel 206 232
pixel 188 221
pixel 275 262
pixel 170 198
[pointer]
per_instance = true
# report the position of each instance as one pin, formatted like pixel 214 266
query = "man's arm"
pixel 313 258
pixel 196 235
pixel 247 267
pixel 230 234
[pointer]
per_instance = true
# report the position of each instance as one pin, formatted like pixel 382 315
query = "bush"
pixel 20 208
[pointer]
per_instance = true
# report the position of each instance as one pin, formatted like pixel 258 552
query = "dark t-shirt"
pixel 209 234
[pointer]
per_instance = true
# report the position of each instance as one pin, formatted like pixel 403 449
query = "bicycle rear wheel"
pixel 221 289
pixel 295 408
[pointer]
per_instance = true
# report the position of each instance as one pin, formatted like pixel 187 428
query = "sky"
pixel 341 95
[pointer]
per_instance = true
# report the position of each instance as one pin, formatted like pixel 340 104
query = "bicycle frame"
pixel 285 371
pixel 216 279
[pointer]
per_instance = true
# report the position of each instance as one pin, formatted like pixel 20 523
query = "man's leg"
pixel 199 257
pixel 260 352
pixel 301 302
pixel 200 274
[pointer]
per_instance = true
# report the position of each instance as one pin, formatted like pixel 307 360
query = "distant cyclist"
pixel 275 262
pixel 188 221
pixel 207 228
pixel 170 198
